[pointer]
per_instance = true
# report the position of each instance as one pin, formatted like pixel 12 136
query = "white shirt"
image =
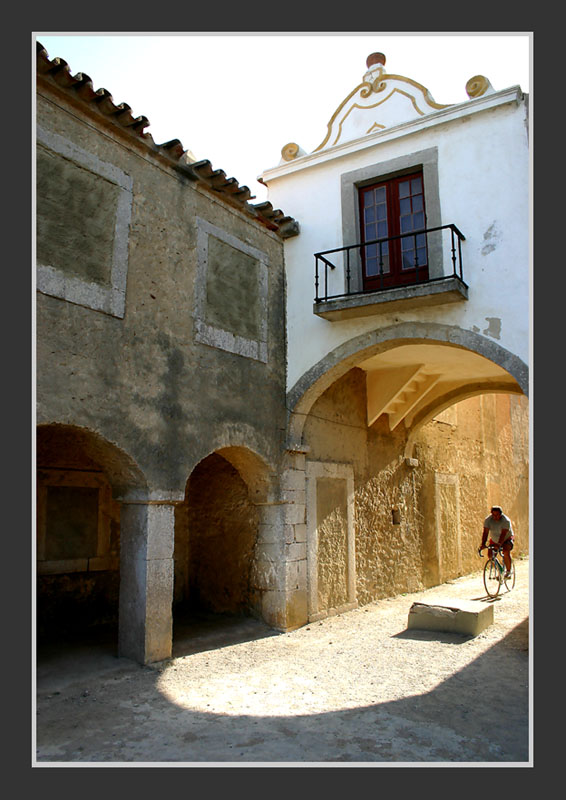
pixel 495 526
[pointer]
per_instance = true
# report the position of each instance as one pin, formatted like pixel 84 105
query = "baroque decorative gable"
pixel 380 101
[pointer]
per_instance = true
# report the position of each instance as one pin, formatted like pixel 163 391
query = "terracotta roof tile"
pixel 56 72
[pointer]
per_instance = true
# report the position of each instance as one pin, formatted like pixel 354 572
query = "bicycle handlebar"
pixel 498 548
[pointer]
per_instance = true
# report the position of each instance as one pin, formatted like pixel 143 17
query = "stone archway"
pixel 79 530
pixel 217 536
pixel 364 408
pixel 509 374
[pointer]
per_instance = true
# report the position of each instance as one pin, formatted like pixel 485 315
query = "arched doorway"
pixel 216 538
pixel 421 485
pixel 79 476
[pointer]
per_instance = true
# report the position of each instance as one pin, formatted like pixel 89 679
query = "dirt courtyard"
pixel 354 688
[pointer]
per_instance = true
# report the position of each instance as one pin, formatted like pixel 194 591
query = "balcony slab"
pixel 398 298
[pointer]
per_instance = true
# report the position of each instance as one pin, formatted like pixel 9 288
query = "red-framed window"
pixel 391 208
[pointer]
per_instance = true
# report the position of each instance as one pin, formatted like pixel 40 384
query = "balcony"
pixel 431 274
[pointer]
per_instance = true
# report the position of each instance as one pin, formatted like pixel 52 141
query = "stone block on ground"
pixel 451 616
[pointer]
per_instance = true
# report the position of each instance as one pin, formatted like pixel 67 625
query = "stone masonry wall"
pixel 165 375
pixel 160 331
pixel 469 457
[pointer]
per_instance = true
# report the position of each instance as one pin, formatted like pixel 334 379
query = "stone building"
pixel 210 438
pixel 160 306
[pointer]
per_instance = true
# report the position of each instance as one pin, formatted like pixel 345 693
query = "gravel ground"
pixel 355 688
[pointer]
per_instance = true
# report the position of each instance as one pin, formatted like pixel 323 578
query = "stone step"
pixel 451 616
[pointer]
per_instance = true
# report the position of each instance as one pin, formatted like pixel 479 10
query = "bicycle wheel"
pixel 510 582
pixel 491 578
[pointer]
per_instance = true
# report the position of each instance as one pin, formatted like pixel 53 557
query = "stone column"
pixel 280 557
pixel 146 580
pixel 293 493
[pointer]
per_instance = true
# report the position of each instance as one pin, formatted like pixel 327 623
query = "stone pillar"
pixel 293 494
pixel 146 580
pixel 280 571
pixel 267 571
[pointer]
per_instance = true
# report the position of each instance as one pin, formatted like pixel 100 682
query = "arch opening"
pixel 428 458
pixel 80 477
pixel 216 535
pixel 433 359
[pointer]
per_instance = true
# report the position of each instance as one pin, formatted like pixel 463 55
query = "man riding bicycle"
pixel 498 527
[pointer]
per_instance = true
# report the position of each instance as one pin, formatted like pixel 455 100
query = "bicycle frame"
pixel 494 573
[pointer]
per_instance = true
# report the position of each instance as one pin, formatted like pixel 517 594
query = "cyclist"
pixel 500 531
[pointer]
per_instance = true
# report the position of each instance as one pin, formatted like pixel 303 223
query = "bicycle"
pixel 495 574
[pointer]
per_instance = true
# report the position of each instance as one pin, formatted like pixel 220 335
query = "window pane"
pixel 405 205
pixel 371 266
pixel 421 240
pixel 408 260
pixel 404 189
pixel 418 203
pixel 416 186
pixel 369 214
pixel 421 253
pixel 368 197
pixel 382 265
pixel 371 232
pixel 380 195
pixel 371 251
pixel 381 210
pixel 381 230
pixel 418 221
pixel 406 224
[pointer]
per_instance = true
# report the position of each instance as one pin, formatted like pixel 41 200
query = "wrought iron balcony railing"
pixel 426 246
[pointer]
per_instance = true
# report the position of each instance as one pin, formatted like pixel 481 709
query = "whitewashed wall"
pixel 483 173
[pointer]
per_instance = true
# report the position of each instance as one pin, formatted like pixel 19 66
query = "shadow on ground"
pixel 80 655
pixel 125 717
pixel 195 632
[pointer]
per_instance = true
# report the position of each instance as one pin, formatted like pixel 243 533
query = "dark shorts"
pixel 508 543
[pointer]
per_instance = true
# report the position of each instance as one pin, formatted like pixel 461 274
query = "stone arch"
pixel 81 479
pixel 428 413
pixel 124 474
pixel 217 533
pixel 339 361
pixel 331 421
pixel 252 469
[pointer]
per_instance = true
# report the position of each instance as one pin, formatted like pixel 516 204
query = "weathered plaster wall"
pixel 145 381
pixel 159 307
pixel 471 456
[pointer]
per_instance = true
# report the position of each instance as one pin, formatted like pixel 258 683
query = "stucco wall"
pixel 473 455
pixel 167 379
pixel 482 177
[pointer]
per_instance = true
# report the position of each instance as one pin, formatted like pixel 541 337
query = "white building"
pixel 387 330
pixel 472 162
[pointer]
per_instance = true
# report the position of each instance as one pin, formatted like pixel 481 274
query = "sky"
pixel 237 99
